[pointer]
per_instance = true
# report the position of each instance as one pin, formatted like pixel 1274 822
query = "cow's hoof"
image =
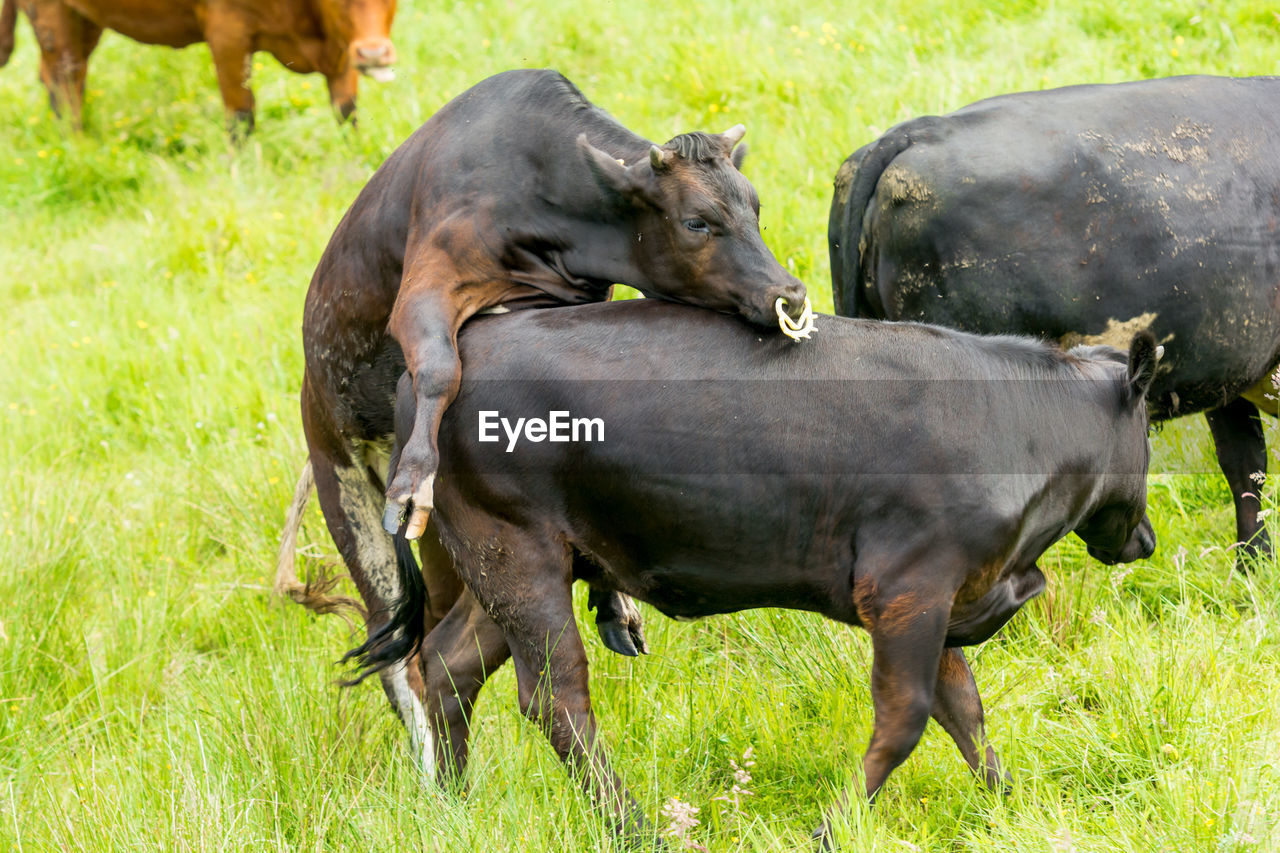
pixel 998 781
pixel 417 507
pixel 822 838
pixel 619 638
pixel 392 517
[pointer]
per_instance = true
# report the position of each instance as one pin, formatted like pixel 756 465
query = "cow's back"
pixel 750 439
pixel 1088 213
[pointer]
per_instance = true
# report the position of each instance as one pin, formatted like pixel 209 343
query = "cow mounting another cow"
pixel 518 193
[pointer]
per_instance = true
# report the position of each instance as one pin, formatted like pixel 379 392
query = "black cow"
pixel 1084 214
pixel 518 193
pixel 907 485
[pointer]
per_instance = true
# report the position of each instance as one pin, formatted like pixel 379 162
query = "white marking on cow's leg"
pixel 421 745
pixel 1266 393
pixel 362 503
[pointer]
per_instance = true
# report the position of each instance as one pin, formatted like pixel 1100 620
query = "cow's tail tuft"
pixel 400 637
pixel 8 23
pixel 855 183
pixel 314 594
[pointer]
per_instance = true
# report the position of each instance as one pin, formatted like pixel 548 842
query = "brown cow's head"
pixel 696 221
pixel 370 50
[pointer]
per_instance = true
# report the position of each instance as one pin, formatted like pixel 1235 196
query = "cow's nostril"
pixel 371 53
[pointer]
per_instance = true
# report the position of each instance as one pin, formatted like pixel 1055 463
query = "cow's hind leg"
pixel 524 582
pixel 461 652
pixel 231 45
pixel 618 618
pixel 958 708
pixel 350 492
pixel 1242 455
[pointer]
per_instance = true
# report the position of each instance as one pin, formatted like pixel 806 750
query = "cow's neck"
pixel 603 252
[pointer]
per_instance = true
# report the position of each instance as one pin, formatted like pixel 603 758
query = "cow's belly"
pixel 146 21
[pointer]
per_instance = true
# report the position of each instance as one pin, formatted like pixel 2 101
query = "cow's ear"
pixel 739 154
pixel 609 171
pixel 1143 358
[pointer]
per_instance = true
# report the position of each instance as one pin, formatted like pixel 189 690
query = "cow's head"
pixel 696 225
pixel 1117 529
pixel 370 50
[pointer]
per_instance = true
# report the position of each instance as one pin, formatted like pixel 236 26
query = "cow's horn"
pixel 734 135
pixel 1159 353
pixel 659 159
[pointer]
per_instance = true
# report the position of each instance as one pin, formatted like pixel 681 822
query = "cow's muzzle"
pixel 1140 545
pixel 374 58
pixel 765 313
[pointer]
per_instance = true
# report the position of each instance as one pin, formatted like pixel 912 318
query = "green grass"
pixel 152 696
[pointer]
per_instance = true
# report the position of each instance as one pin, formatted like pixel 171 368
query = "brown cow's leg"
pixel 1242 455
pixel 907 636
pixel 66 39
pixel 349 489
pixel 231 45
pixel 458 655
pixel 342 93
pixel 958 708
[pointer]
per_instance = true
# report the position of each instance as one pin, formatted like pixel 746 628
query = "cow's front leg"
pixel 907 636
pixel 958 708
pixel 231 45
pixel 342 93
pixel 425 322
pixel 1242 456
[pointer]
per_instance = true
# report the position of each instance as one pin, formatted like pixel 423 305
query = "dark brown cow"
pixel 907 484
pixel 340 39
pixel 519 193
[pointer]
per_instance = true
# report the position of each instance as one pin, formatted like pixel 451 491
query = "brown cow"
pixel 340 39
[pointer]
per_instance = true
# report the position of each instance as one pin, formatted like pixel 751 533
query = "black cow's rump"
pixel 1085 214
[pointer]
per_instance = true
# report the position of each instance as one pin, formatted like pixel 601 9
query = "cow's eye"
pixel 697 225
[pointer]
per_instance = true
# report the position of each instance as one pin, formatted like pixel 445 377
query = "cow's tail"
pixel 404 632
pixel 314 594
pixel 846 235
pixel 8 22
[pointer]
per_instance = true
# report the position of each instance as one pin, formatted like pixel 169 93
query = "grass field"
pixel 154 697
